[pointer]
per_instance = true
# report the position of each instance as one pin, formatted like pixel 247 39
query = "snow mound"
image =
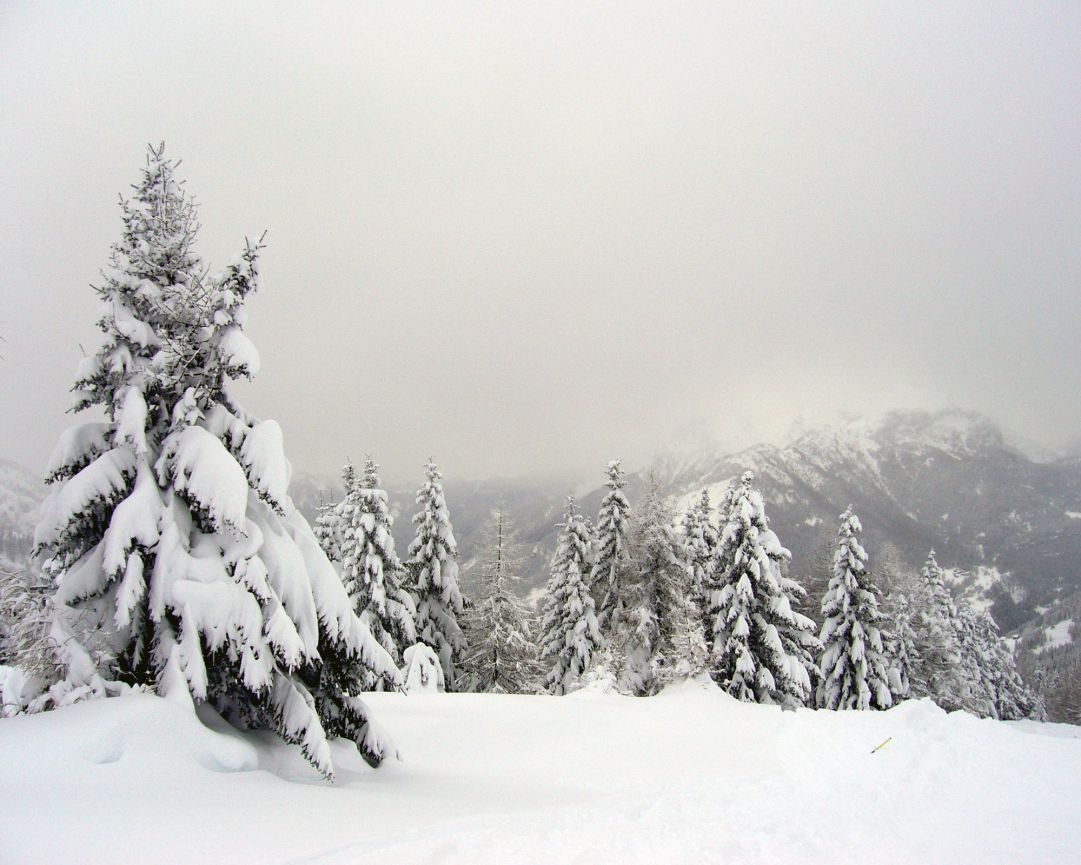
pixel 690 775
pixel 421 671
pixel 140 730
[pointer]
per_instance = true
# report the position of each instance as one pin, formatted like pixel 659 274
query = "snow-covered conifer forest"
pixel 411 581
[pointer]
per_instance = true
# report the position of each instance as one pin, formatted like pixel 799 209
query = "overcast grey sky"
pixel 528 237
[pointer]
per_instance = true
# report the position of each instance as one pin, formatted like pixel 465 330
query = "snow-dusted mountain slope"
pixel 21 494
pixel 687 776
pixel 946 480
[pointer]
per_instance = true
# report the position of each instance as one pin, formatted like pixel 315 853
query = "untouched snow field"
pixel 688 776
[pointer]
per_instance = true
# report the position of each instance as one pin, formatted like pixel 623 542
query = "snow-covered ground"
pixel 689 776
pixel 974 586
pixel 1056 636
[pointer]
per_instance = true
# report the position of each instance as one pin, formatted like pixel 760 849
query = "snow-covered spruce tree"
pixel 724 509
pixel 700 537
pixel 613 550
pixel 569 624
pixel 978 697
pixel 995 688
pixel 854 663
pixel 325 529
pixel 178 558
pixel 941 673
pixel 1059 689
pixel 658 624
pixel 904 656
pixel 433 568
pixel 27 646
pixel 761 649
pixel 502 655
pixel 1011 696
pixel 329 519
pixel 722 555
pixel 370 568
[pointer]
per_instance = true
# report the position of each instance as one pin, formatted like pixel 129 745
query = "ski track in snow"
pixel 690 775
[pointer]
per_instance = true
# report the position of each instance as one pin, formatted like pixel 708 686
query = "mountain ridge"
pixel 948 479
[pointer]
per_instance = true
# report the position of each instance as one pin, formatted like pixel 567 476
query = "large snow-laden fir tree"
pixel 854 663
pixel 571 636
pixel 658 627
pixel 178 558
pixel 761 649
pixel 613 549
pixel 370 568
pixel 700 537
pixel 433 567
pixel 502 655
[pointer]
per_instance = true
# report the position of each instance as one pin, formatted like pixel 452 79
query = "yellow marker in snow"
pixel 883 745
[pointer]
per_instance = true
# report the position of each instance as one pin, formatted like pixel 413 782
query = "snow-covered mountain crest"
pixel 857 445
pixel 946 479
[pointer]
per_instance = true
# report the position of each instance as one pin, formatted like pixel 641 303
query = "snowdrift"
pixel 690 775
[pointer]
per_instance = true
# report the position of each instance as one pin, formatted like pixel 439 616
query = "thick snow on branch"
pixel 135 521
pixel 101 482
pixel 263 457
pixel 238 351
pixel 206 474
pixel 77 446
